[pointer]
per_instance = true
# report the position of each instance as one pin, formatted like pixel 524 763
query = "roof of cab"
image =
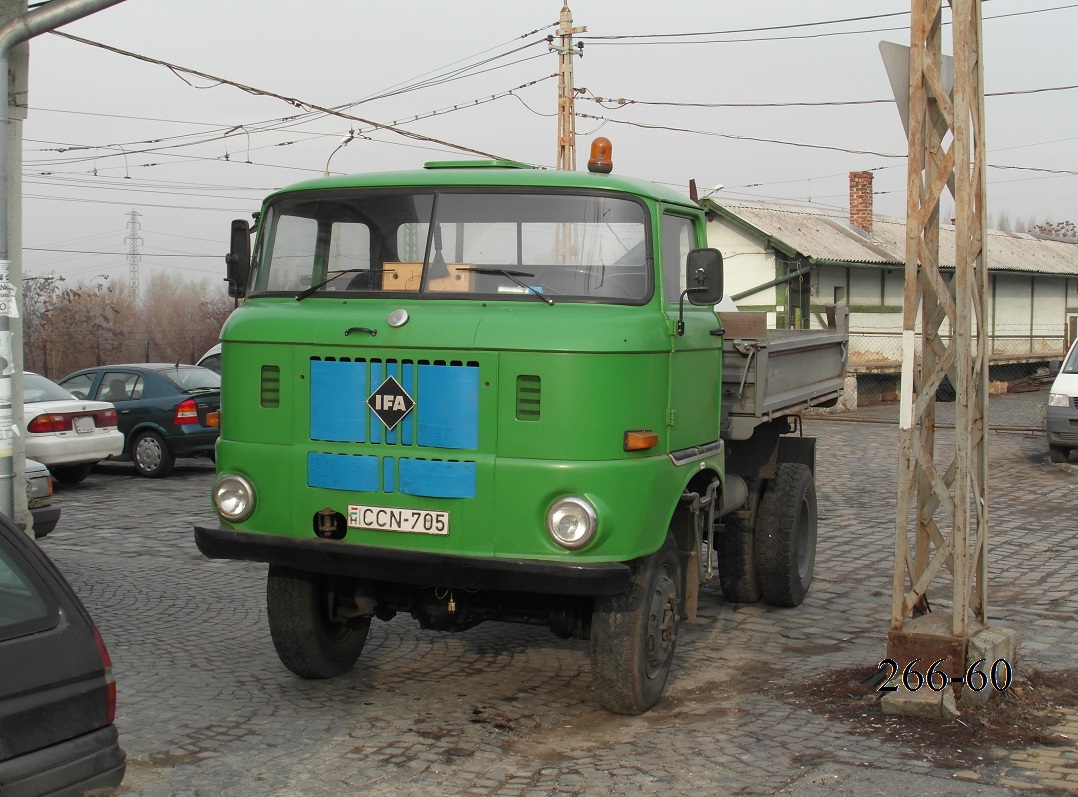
pixel 503 174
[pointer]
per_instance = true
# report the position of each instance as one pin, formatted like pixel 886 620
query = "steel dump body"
pixel 768 373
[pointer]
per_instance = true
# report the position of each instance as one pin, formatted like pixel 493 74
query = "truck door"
pixel 696 357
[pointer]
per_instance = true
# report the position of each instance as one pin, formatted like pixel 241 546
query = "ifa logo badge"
pixel 390 402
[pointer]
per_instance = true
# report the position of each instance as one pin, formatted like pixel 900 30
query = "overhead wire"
pixel 654 38
pixel 295 102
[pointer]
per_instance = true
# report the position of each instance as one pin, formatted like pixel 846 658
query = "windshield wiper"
pixel 305 293
pixel 504 272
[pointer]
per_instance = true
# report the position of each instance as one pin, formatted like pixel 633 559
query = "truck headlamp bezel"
pixel 1059 400
pixel 572 522
pixel 233 498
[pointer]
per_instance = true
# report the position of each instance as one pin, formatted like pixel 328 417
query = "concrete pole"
pixel 566 159
pixel 20 29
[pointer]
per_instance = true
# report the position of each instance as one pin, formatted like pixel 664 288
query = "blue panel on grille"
pixel 448 406
pixel 338 401
pixel 437 479
pixel 389 474
pixel 342 472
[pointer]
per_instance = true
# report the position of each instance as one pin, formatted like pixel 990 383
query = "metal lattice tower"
pixel 947 488
pixel 134 257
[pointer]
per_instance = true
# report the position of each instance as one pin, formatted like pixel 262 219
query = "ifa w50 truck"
pixel 482 391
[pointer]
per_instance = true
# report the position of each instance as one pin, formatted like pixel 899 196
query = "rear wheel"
pixel 71 474
pixel 633 634
pixel 311 639
pixel 152 456
pixel 1058 454
pixel 736 548
pixel 786 535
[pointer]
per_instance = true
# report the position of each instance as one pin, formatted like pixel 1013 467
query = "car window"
pixel 25 605
pixel 213 362
pixel 192 377
pixel 37 388
pixel 79 385
pixel 116 386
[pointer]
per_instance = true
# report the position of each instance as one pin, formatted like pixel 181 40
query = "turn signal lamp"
pixel 601 160
pixel 213 419
pixel 640 440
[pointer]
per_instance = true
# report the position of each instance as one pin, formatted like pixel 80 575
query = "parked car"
pixel 161 408
pixel 39 498
pixel 1061 420
pixel 57 693
pixel 212 359
pixel 65 433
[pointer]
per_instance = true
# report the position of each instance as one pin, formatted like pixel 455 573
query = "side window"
pixel 79 386
pixel 25 605
pixel 120 387
pixel 678 239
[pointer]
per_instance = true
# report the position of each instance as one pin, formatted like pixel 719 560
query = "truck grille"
pixel 445 416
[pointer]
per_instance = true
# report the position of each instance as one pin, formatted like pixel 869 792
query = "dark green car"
pixel 161 407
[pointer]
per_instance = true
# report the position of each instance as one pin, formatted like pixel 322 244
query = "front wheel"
pixel 310 637
pixel 786 535
pixel 1058 454
pixel 152 456
pixel 633 634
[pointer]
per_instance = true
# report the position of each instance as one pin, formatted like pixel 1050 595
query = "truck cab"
pixel 481 391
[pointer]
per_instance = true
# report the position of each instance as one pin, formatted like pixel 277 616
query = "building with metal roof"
pixel 791 261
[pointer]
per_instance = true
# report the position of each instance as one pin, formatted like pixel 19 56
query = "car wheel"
pixel 1058 454
pixel 152 456
pixel 71 474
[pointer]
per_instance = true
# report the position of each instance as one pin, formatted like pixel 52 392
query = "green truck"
pixel 483 391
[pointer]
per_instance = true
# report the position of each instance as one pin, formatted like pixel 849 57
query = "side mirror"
pixel 703 276
pixel 238 259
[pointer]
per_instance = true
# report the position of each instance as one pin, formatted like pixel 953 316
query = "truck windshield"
pixel 455 244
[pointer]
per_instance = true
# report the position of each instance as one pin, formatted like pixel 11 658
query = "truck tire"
pixel 633 634
pixel 786 535
pixel 307 640
pixel 736 549
pixel 1057 454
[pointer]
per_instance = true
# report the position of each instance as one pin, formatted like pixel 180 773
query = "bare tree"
pixel 182 319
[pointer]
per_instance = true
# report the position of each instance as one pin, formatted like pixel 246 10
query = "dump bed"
pixel 767 373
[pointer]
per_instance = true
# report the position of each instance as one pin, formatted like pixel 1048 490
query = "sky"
pixel 108 133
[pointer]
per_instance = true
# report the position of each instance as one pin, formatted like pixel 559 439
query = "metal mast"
pixel 134 257
pixel 566 159
pixel 950 524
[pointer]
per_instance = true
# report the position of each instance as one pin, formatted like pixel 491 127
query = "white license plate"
pixel 84 424
pixel 386 518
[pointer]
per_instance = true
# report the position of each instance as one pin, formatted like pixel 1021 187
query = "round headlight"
pixel 571 522
pixel 234 498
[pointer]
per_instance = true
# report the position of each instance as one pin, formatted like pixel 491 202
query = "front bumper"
pixel 1061 424
pixel 418 569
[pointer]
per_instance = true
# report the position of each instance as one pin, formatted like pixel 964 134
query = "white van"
pixel 212 359
pixel 1061 421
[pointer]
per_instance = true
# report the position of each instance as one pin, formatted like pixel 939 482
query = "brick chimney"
pixel 861 200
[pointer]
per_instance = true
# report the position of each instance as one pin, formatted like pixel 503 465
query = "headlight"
pixel 571 522
pixel 1059 400
pixel 234 498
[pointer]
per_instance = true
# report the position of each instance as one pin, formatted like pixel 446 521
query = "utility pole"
pixel 949 487
pixel 134 257
pixel 566 160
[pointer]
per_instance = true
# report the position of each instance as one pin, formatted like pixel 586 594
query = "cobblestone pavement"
pixel 205 708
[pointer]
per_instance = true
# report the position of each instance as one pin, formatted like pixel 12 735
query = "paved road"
pixel 755 705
